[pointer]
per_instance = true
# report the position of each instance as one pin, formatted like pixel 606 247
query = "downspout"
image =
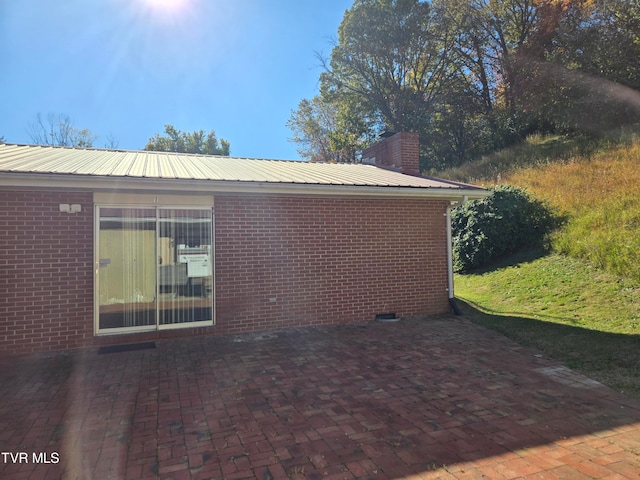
pixel 450 288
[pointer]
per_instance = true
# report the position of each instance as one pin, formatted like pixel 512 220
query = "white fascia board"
pixel 129 184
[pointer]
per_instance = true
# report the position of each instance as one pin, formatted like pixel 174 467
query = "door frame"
pixel 156 202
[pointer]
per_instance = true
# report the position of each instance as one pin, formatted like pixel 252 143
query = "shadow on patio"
pixel 438 397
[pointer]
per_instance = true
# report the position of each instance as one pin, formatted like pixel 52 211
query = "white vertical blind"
pixel 155 267
pixel 186 270
pixel 127 267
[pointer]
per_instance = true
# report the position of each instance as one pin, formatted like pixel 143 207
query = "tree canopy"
pixel 472 76
pixel 328 131
pixel 198 141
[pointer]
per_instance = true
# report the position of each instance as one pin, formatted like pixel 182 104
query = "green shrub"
pixel 484 230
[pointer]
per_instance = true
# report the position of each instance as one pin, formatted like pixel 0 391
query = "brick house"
pixel 106 247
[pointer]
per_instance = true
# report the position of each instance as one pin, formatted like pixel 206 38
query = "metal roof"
pixel 80 163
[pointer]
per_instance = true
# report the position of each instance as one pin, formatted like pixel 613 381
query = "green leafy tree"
pixel 492 50
pixel 58 130
pixel 384 73
pixel 473 76
pixel 438 68
pixel 312 124
pixel 328 131
pixel 390 54
pixel 458 131
pixel 198 141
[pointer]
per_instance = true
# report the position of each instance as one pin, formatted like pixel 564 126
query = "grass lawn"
pixel 587 319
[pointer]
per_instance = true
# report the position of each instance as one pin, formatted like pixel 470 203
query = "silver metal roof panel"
pixel 32 160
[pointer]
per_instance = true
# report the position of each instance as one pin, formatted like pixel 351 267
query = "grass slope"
pixel 594 185
pixel 565 304
pixel 571 311
pixel 600 197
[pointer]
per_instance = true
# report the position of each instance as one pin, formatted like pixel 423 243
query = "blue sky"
pixel 125 68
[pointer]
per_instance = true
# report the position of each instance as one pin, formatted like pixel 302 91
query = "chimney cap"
pixel 387 134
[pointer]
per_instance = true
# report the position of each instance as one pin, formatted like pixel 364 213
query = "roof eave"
pixel 185 186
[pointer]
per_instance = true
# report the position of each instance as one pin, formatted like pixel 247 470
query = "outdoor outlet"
pixel 273 299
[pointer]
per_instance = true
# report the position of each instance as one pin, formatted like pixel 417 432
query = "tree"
pixel 459 129
pixel 473 76
pixel 183 142
pixel 392 56
pixel 492 39
pixel 311 124
pixel 601 38
pixel 58 130
pixel 384 73
pixel 112 142
pixel 439 68
pixel 326 131
pixel 580 67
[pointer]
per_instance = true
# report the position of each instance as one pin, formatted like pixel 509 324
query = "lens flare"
pixel 166 5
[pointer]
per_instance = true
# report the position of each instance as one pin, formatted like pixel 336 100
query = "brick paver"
pixel 417 399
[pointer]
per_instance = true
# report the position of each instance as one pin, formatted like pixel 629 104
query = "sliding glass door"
pixel 154 268
pixel 184 264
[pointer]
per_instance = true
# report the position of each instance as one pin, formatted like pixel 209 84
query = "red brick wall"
pixel 293 261
pixel 46 281
pixel 280 262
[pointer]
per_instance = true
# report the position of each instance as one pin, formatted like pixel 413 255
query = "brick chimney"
pixel 397 151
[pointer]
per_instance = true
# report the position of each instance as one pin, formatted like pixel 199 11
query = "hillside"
pixel 578 304
pixel 595 186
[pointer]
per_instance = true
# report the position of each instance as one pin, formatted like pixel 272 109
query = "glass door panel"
pixel 185 272
pixel 127 268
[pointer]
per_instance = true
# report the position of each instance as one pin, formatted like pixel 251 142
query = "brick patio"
pixel 432 398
